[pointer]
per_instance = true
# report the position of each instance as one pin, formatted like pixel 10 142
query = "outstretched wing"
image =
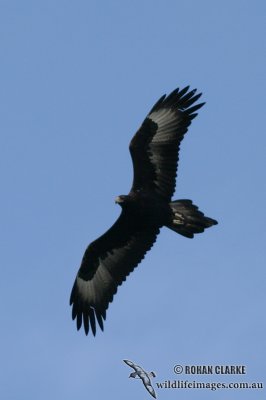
pixel 150 390
pixel 154 148
pixel 136 367
pixel 105 265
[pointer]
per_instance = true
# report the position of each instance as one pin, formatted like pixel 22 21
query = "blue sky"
pixel 77 79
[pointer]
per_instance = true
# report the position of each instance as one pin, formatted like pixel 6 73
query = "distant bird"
pixel 143 375
pixel 147 208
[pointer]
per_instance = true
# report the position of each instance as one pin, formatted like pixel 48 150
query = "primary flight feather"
pixel 148 207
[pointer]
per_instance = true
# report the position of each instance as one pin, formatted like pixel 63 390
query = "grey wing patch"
pixel 155 146
pixel 167 121
pixel 163 149
pixel 92 291
pixel 98 279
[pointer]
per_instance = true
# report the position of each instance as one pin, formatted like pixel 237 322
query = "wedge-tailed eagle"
pixel 147 208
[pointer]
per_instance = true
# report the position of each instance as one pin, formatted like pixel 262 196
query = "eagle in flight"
pixel 148 207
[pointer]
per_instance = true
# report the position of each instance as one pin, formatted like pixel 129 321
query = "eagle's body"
pixel 145 210
pixel 148 207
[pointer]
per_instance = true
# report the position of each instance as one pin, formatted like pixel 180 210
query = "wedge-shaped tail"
pixel 187 219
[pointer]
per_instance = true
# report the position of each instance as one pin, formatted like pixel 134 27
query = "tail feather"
pixel 187 219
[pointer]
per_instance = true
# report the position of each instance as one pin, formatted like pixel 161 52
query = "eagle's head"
pixel 121 200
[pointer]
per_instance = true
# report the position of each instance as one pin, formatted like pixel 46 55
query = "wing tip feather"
pixel 86 317
pixel 181 100
pixel 85 314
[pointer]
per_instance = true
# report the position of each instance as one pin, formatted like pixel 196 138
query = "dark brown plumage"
pixel 110 259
